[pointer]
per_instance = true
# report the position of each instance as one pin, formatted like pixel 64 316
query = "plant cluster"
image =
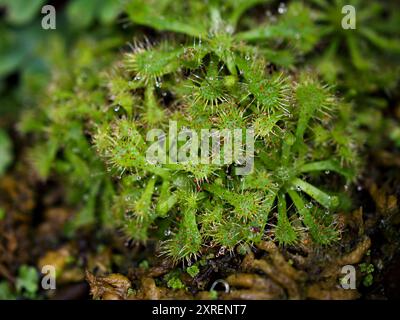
pixel 211 74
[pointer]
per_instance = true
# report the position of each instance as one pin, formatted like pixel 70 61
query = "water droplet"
pixel 247 57
pixel 138 178
pixel 282 8
pixel 223 282
pixel 298 188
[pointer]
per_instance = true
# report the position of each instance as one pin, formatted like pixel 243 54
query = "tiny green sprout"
pixel 368 280
pixel 193 270
pixel 27 281
pixel 175 283
pixel 173 280
pixel 368 270
pixel 131 292
pixel 213 295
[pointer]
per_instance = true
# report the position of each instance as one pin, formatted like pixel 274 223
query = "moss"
pixel 27 283
pixel 193 271
pixel 173 280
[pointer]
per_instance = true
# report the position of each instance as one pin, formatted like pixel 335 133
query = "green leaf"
pixel 193 270
pixel 324 199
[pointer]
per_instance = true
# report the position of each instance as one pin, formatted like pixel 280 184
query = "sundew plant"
pixel 206 71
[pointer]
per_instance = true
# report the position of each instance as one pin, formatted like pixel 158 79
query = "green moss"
pixel 27 283
pixel 173 280
pixel 367 270
pixel 193 270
